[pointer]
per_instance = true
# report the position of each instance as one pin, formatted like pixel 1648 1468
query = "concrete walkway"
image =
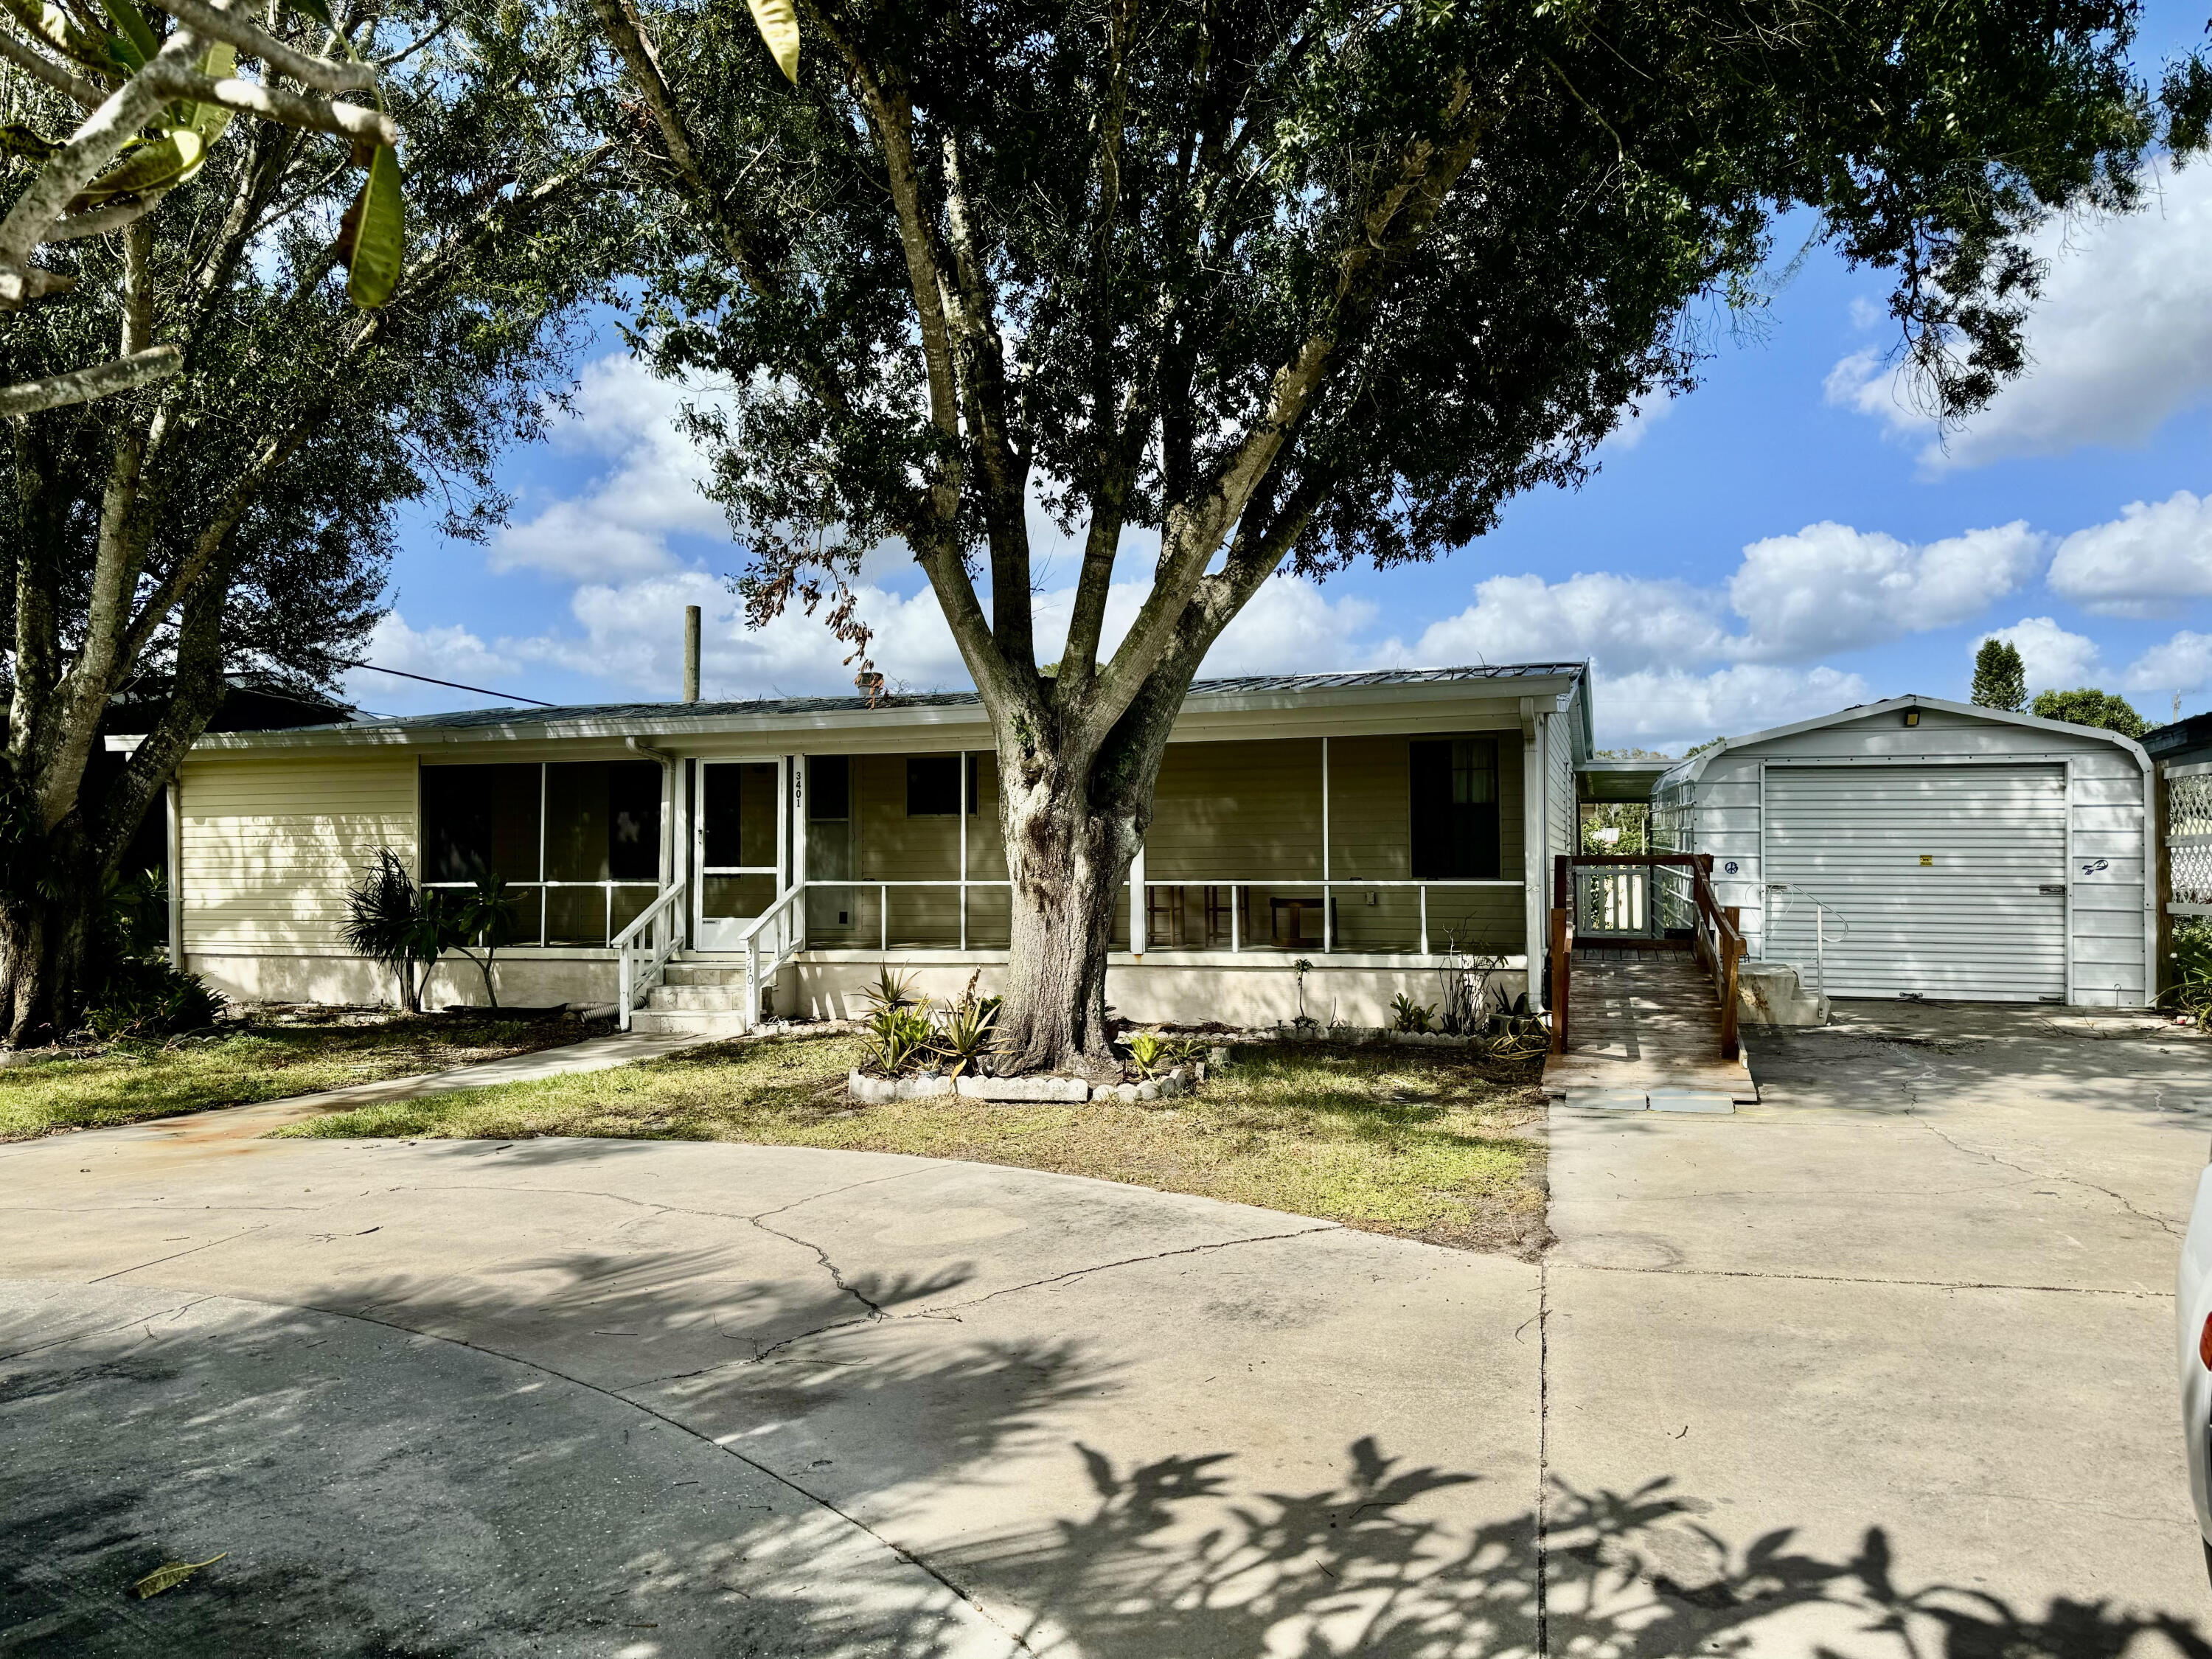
pixel 1879 1369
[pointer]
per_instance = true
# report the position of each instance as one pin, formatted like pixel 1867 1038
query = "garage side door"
pixel 1948 880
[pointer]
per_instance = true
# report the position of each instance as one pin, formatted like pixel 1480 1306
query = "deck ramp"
pixel 1644 1023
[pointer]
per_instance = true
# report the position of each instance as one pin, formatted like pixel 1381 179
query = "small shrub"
pixel 2191 994
pixel 145 997
pixel 964 1032
pixel 1407 1015
pixel 1149 1051
pixel 898 1040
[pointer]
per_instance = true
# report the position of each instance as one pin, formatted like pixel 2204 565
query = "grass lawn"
pixel 129 1082
pixel 1419 1142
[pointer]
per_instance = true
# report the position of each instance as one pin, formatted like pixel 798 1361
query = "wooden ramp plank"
pixel 1649 1022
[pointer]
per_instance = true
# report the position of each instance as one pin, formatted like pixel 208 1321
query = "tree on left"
pixel 238 516
pixel 148 108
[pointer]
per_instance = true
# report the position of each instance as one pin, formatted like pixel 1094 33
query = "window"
pixel 582 838
pixel 829 789
pixel 933 786
pixel 480 821
pixel 1454 790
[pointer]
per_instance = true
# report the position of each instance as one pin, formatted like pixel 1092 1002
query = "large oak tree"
pixel 238 516
pixel 1283 285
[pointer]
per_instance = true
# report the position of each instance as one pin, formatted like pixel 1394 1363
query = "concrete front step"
pixel 688 1022
pixel 702 998
pixel 702 973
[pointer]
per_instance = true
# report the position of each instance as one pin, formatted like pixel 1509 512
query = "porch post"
pixel 173 797
pixel 1327 908
pixel 961 805
pixel 1534 731
pixel 799 849
pixel 1137 902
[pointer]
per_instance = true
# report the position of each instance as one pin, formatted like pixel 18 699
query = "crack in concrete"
pixel 2172 1231
pixel 911 1557
pixel 174 1254
pixel 950 1309
pixel 1853 1279
pixel 106 1330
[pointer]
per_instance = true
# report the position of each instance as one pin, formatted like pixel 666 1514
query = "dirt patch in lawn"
pixel 256 1060
pixel 1428 1144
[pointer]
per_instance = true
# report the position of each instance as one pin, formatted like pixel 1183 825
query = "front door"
pixel 738 836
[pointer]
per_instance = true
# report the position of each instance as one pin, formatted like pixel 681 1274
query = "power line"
pixel 455 685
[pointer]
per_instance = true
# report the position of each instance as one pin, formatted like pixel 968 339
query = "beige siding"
pixel 271 845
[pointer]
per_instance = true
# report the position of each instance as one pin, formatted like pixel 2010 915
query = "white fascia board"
pixel 676 730
pixel 1691 768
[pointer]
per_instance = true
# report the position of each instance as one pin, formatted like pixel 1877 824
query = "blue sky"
pixel 1788 539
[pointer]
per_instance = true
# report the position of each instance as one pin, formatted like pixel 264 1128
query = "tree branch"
pixel 83 386
pixel 223 24
pixel 65 82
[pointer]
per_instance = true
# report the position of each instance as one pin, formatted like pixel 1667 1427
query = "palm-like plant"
pixel 391 920
pixel 484 919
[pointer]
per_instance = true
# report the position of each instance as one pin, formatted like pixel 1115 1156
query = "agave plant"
pixel 891 991
pixel 1150 1052
pixel 896 1040
pixel 963 1036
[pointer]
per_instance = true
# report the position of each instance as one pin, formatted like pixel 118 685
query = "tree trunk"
pixel 1067 860
pixel 52 941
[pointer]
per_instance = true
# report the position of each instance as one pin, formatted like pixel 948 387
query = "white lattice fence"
pixel 2189 838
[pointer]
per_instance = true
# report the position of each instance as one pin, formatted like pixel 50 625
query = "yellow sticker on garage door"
pixel 1927 858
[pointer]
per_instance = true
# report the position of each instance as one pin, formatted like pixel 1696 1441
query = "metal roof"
pixel 769 707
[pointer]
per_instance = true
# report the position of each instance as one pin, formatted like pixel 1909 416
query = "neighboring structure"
pixel 1372 825
pixel 1922 847
pixel 2185 743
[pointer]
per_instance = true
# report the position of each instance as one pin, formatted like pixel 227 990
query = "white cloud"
pixel 2182 664
pixel 1674 707
pixel 1628 623
pixel 1638 425
pixel 443 654
pixel 2121 340
pixel 1830 587
pixel 618 525
pixel 2143 563
pixel 2054 658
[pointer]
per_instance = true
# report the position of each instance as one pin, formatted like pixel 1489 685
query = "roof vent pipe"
pixel 691 653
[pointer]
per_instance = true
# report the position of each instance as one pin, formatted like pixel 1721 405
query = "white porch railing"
pixel 643 948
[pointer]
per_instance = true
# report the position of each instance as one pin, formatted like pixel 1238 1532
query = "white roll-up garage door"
pixel 1948 880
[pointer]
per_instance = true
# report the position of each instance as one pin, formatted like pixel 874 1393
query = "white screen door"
pixel 737 839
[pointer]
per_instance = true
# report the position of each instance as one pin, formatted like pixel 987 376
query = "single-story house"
pixel 1921 848
pixel 1376 826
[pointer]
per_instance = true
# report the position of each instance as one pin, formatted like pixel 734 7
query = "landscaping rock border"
pixel 1015 1091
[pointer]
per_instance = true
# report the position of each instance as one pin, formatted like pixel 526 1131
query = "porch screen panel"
pixel 1455 805
pixel 479 820
pixel 480 823
pixel 602 825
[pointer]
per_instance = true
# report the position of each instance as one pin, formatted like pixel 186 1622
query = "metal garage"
pixel 1921 848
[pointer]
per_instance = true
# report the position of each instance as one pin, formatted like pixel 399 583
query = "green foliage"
pixel 2000 677
pixel 898 1039
pixel 372 238
pixel 1150 1053
pixel 966 1031
pixel 1407 1015
pixel 2190 990
pixel 2086 705
pixel 146 997
pixel 893 989
pixel 406 927
pixel 1630 822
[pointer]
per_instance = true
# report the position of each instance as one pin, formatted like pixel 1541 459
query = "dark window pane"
pixel 737 811
pixel 829 789
pixel 576 915
pixel 634 820
pixel 1455 802
pixel 933 786
pixel 576 824
pixel 480 821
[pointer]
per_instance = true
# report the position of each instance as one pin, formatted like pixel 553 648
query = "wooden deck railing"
pixel 1716 936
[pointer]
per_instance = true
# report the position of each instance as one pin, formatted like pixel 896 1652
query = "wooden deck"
pixel 1640 1020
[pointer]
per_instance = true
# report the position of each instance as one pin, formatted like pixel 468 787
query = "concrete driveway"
pixel 640 1400
pixel 1896 1342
